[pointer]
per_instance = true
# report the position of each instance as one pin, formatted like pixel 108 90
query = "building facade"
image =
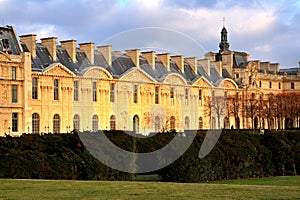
pixel 52 88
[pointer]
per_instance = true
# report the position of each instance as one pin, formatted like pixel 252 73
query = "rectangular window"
pixel 156 94
pixel 13 73
pixel 56 97
pixel 34 88
pixel 292 85
pixel 172 95
pixel 259 83
pixel 200 97
pixel 237 76
pixel 112 92
pixel 76 87
pixel 14 93
pixel 186 96
pixel 270 84
pixel 279 85
pixel 94 91
pixel 135 94
pixel 14 122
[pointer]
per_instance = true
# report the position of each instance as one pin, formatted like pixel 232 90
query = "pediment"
pixel 175 79
pixel 4 57
pixel 228 84
pixel 97 73
pixel 58 70
pixel 137 75
pixel 202 82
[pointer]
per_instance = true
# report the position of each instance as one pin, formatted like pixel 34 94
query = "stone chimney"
pixel 205 63
pixel 150 57
pixel 134 54
pixel 30 41
pixel 50 44
pixel 193 63
pixel 89 50
pixel 106 52
pixel 165 59
pixel 70 46
pixel 179 60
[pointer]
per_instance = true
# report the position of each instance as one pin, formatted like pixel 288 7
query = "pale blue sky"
pixel 267 30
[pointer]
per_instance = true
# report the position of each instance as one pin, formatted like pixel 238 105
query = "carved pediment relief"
pixel 4 57
pixel 138 76
pixel 58 70
pixel 97 73
pixel 202 83
pixel 174 79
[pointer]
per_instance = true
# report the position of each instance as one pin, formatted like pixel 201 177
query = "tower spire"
pixel 224 44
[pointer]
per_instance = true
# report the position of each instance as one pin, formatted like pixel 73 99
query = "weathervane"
pixel 223 21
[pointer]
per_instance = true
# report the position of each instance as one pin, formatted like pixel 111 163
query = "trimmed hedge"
pixel 236 155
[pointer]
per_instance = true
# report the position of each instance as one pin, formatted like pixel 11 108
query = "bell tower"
pixel 224 44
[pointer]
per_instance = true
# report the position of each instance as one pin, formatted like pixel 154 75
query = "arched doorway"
pixel 272 124
pixel 186 123
pixel 136 123
pixel 112 122
pixel 200 123
pixel 56 123
pixel 226 123
pixel 35 123
pixel 288 123
pixel 172 123
pixel 237 123
pixel 256 123
pixel 213 123
pixel 95 123
pixel 76 122
pixel 157 124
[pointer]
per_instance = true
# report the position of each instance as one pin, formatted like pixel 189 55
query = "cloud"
pixel 251 24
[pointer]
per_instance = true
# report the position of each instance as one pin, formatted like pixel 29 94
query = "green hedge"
pixel 236 155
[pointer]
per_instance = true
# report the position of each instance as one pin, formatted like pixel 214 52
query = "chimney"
pixel 218 66
pixel 205 63
pixel 89 50
pixel 179 60
pixel 193 63
pixel 134 54
pixel 150 57
pixel 70 46
pixel 165 59
pixel 50 44
pixel 106 52
pixel 30 41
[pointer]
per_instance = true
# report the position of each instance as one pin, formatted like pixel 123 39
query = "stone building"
pixel 51 87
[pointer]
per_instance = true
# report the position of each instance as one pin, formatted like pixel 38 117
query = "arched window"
pixel 95 123
pixel 56 123
pixel 213 123
pixel 76 122
pixel 35 123
pixel 187 123
pixel 172 123
pixel 200 123
pixel 112 122
pixel 157 124
pixel 136 123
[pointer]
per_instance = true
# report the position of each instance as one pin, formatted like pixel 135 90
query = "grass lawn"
pixel 264 188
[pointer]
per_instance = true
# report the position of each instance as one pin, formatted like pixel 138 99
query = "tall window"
pixel 95 123
pixel 259 83
pixel 200 123
pixel 34 88
pixel 279 85
pixel 172 123
pixel 186 96
pixel 14 93
pixel 292 85
pixel 187 123
pixel 112 122
pixel 112 92
pixel 56 97
pixel 56 123
pixel 172 95
pixel 156 95
pixel 14 122
pixel 76 88
pixel 13 73
pixel 135 94
pixel 94 91
pixel 200 97
pixel 136 124
pixel 35 123
pixel 270 84
pixel 76 122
